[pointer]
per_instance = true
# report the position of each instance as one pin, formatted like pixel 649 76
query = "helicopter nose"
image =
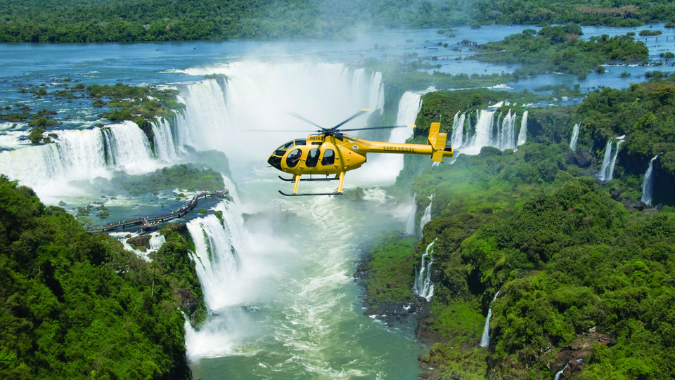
pixel 275 161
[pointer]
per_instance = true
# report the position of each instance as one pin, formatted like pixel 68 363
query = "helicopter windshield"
pixel 282 149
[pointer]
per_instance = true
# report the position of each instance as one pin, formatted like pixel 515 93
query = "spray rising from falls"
pixel 606 173
pixel 258 95
pixel 427 215
pixel 423 285
pixel 648 183
pixel 410 224
pixel 81 154
pixel 575 136
pixel 485 339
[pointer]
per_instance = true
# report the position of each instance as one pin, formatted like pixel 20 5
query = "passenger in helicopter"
pixel 296 158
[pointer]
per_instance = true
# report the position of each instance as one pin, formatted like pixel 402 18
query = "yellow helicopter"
pixel 330 151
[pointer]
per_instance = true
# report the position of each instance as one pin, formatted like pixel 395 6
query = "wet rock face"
pixel 583 159
pixel 139 241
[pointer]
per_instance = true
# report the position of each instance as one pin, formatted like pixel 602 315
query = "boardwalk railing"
pixel 151 222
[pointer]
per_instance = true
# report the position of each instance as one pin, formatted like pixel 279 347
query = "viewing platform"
pixel 149 223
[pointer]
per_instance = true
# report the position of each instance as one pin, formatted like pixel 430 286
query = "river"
pixel 277 274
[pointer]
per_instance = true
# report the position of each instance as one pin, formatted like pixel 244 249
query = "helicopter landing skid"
pixel 307 194
pixel 308 179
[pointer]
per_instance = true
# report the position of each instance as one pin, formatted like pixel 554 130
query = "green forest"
pixel 580 273
pixel 165 20
pixel 79 306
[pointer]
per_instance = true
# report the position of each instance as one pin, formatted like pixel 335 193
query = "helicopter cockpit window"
pixel 312 158
pixel 300 142
pixel 328 157
pixel 293 158
pixel 282 149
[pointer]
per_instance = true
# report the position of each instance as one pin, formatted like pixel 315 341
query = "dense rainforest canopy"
pixel 581 274
pixel 170 20
pixel 79 306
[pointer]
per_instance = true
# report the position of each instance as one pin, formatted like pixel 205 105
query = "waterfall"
pixel 156 241
pixel 80 154
pixel 410 225
pixel 648 183
pixel 605 161
pixel 507 138
pixel 575 136
pixel 376 93
pixel 216 253
pixel 609 161
pixel 557 375
pixel 485 339
pixel 522 135
pixel 423 286
pixel 427 215
pixel 163 140
pixel 457 130
pixel 613 163
pixel 408 108
pixel 483 133
pixel 498 134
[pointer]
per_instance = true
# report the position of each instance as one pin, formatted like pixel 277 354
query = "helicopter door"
pixel 328 157
pixel 293 158
pixel 313 158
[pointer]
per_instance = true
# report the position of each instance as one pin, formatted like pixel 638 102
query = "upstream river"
pixel 277 275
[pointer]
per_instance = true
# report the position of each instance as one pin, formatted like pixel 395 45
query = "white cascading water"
pixel 602 175
pixel 522 135
pixel 648 183
pixel 507 135
pixel 575 136
pixel 80 154
pixel 483 135
pixel 164 142
pixel 612 164
pixel 410 224
pixel 216 251
pixel 423 286
pixel 156 241
pixel 557 375
pixel 427 215
pixel 485 339
pixel 259 95
pixel 457 131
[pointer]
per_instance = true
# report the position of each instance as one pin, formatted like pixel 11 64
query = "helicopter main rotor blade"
pixel 278 130
pixel 388 127
pixel 295 115
pixel 353 116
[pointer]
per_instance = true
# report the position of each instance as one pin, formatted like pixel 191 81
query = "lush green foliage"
pixel 559 49
pixel 390 265
pixel 79 306
pixel 178 176
pixel 163 20
pixel 573 266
